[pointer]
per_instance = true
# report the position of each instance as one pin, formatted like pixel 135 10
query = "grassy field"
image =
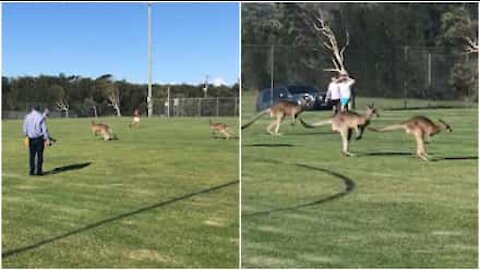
pixel 164 195
pixel 304 205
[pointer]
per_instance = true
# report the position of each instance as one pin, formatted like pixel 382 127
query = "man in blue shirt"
pixel 35 128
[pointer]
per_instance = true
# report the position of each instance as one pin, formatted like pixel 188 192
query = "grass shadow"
pixel 386 154
pixel 269 145
pixel 264 160
pixel 11 252
pixel 67 168
pixel 438 107
pixel 348 183
pixel 224 138
pixel 455 158
pixel 311 133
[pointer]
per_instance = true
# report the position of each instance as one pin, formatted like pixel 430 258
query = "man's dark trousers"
pixel 336 105
pixel 36 146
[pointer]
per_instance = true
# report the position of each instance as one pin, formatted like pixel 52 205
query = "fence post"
pixel 272 63
pixel 429 79
pixel 235 107
pixel 405 93
pixel 168 101
pixel 217 106
pixel 200 107
pixel 468 88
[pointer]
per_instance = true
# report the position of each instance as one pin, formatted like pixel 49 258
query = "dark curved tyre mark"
pixel 269 145
pixel 311 133
pixel 349 187
pixel 386 154
pixel 11 252
pixel 455 158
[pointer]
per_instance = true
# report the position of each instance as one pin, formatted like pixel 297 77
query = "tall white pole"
pixel 205 87
pixel 149 97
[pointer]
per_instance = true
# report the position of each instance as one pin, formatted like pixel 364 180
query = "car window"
pixel 298 89
pixel 295 90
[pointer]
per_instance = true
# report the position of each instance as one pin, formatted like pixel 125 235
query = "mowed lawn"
pixel 164 195
pixel 304 205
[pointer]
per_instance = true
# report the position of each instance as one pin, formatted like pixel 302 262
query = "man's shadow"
pixel 67 168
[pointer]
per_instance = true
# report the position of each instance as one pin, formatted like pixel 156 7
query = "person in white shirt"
pixel 333 93
pixel 345 85
pixel 35 129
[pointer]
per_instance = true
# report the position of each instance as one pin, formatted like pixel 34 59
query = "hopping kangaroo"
pixel 220 128
pixel 345 122
pixel 279 110
pixel 422 128
pixel 103 129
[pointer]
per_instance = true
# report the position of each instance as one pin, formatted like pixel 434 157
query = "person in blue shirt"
pixel 35 128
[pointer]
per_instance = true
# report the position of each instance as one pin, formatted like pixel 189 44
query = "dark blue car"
pixel 292 92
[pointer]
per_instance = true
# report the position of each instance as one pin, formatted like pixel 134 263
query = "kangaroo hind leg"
pixel 345 134
pixel 421 147
pixel 277 127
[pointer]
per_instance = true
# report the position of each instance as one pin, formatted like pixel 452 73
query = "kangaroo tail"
pixel 256 118
pixel 314 125
pixel 443 122
pixel 388 128
pixel 234 134
pixel 111 134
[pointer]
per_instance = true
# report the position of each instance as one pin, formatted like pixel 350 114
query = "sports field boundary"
pixel 12 252
pixel 349 187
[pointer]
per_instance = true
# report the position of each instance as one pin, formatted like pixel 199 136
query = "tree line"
pixel 89 96
pixel 390 46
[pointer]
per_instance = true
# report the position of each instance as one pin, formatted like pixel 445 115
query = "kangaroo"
pixel 422 129
pixel 136 119
pixel 103 129
pixel 281 109
pixel 345 122
pixel 220 128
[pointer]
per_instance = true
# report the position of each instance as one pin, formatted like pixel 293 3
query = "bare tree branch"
pixel 347 42
pixel 114 101
pixel 331 43
pixel 472 46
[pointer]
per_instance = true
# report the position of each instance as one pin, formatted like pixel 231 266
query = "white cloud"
pixel 218 81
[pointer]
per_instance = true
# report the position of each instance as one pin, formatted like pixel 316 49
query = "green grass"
pixel 120 194
pixel 399 212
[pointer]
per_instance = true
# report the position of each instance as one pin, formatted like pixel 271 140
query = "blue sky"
pixel 190 40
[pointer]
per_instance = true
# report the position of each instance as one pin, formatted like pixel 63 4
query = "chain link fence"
pixel 406 73
pixel 196 107
pixel 175 107
pixel 28 106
